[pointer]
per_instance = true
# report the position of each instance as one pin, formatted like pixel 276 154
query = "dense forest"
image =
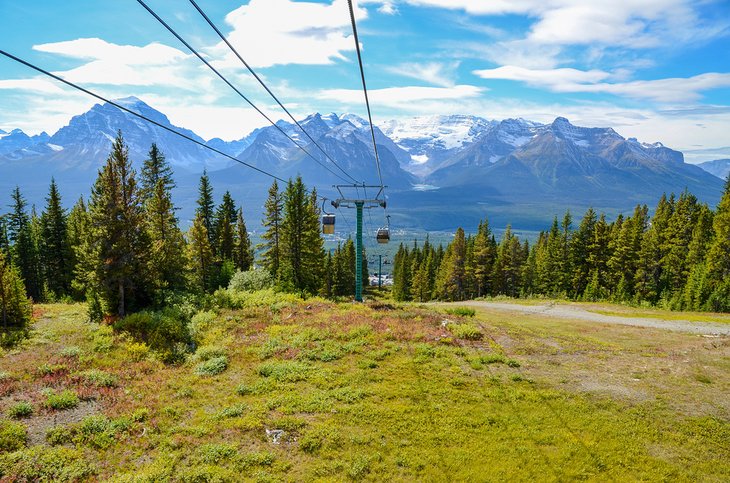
pixel 679 258
pixel 122 249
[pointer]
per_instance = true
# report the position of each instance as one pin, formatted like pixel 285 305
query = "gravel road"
pixel 578 313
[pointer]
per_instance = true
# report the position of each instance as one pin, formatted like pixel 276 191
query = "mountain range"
pixel 442 171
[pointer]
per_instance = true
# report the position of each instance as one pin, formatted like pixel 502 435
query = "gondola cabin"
pixel 383 235
pixel 328 224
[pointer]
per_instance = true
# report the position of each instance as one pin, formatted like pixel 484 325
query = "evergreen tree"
pixel 206 208
pixel 242 255
pixel 79 231
pixel 302 245
pixel 155 169
pixel 271 256
pixel 452 279
pixel 119 242
pixel 718 256
pixel 401 275
pixel 167 255
pixel 679 230
pixel 550 262
pixel 4 238
pixel 15 308
pixel 581 239
pixel 200 256
pixel 224 226
pixel 649 273
pixel 55 251
pixel 24 249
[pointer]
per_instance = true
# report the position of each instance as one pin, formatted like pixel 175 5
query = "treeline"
pixel 122 249
pixel 679 259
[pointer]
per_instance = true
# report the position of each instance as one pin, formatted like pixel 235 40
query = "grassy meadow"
pixel 284 389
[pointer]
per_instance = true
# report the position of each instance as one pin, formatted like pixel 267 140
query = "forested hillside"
pixel 678 258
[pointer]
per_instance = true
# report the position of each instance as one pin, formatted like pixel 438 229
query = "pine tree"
pixel 79 230
pixel 718 256
pixel 155 169
pixel 302 245
pixel 119 242
pixel 24 250
pixel 401 275
pixel 242 255
pixel 649 273
pixel 55 251
pixel 15 308
pixel 549 262
pixel 4 238
pixel 452 280
pixel 200 256
pixel 680 227
pixel 581 239
pixel 167 256
pixel 206 208
pixel 271 256
pixel 224 226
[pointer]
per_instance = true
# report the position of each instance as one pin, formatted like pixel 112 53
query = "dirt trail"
pixel 578 313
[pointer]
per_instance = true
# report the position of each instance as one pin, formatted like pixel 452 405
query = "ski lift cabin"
pixel 328 224
pixel 383 235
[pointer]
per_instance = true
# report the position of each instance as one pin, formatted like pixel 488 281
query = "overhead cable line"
pixel 365 89
pixel 223 78
pixel 119 106
pixel 263 84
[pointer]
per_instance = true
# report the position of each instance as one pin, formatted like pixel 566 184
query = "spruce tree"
pixel 15 308
pixel 718 256
pixel 24 249
pixel 452 283
pixel 271 256
pixel 79 231
pixel 200 256
pixel 206 208
pixel 55 251
pixel 401 275
pixel 119 242
pixel 242 255
pixel 155 169
pixel 581 239
pixel 4 239
pixel 649 273
pixel 302 245
pixel 167 256
pixel 224 226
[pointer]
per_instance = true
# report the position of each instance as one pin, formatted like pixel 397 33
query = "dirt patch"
pixel 39 425
pixel 618 391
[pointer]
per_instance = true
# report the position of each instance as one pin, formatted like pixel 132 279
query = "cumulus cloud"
pixel 281 32
pixel 574 80
pixel 436 73
pixel 398 96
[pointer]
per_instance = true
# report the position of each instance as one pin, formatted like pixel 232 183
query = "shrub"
pixel 64 400
pixel 244 390
pixel 13 436
pixel 465 331
pixel 21 409
pixel 284 371
pixel 216 453
pixel 16 306
pixel 99 378
pixel 461 311
pixel 251 281
pixel 165 332
pixel 232 411
pixel 58 435
pixel 209 352
pixel 212 366
pixel 71 352
pixel 40 463
pixel 201 322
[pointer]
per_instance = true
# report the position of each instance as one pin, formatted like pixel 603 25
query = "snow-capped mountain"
pixel 432 140
pixel 442 170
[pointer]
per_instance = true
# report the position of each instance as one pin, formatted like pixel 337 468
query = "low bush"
pixel 209 352
pixel 251 281
pixel 461 311
pixel 216 453
pixel 22 409
pixel 13 436
pixel 71 352
pixel 40 463
pixel 64 400
pixel 165 332
pixel 201 322
pixel 212 366
pixel 465 331
pixel 284 371
pixel 100 378
pixel 232 411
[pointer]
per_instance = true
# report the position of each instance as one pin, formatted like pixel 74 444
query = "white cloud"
pixel 400 96
pixel 280 32
pixel 437 73
pixel 574 80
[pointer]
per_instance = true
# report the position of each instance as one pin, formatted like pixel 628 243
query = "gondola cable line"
pixel 263 84
pixel 141 116
pixel 243 96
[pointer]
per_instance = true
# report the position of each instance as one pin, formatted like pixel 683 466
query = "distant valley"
pixel 442 171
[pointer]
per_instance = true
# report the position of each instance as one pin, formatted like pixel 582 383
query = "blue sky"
pixel 658 70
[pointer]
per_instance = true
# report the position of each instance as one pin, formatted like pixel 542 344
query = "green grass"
pixel 368 393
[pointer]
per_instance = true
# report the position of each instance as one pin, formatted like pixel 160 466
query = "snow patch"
pixel 419 158
pixel 55 147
